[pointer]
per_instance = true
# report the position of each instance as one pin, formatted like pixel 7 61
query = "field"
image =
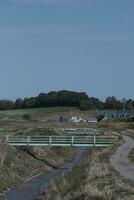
pixel 40 112
pixel 97 181
pixel 2 133
pixel 19 164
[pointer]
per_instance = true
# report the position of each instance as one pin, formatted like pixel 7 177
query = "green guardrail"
pixel 90 141
pixel 80 131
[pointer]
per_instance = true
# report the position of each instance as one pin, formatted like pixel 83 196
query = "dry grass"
pixel 17 165
pixel 131 155
pixel 92 179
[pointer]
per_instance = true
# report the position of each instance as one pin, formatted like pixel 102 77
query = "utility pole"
pixel 124 103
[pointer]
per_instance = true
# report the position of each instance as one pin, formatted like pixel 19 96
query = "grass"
pixel 35 112
pixel 12 120
pixel 18 164
pixel 41 117
pixel 15 166
pixel 3 134
pixel 42 113
pixel 131 155
pixel 93 179
pixel 130 132
pixel 64 152
pixel 38 131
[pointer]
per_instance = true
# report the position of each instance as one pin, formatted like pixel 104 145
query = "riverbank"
pixel 20 164
pixel 33 188
pixel 94 178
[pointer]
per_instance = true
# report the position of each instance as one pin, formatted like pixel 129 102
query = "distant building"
pixel 115 114
pixel 84 120
pixel 64 119
pixel 69 119
pixel 76 119
pixel 92 120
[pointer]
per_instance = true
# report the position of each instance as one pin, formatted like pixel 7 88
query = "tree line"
pixel 67 98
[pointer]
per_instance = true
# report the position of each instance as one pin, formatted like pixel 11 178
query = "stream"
pixel 34 188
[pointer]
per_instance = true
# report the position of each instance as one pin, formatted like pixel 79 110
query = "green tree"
pixel 129 104
pixel 85 105
pixel 111 103
pixel 18 103
pixel 6 104
pixel 95 103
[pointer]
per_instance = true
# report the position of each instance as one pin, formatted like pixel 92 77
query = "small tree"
pixel 110 102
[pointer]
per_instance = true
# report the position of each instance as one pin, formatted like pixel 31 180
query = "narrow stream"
pixel 35 187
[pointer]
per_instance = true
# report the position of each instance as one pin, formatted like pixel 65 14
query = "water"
pixel 35 187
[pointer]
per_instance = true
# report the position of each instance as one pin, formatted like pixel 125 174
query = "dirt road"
pixel 120 160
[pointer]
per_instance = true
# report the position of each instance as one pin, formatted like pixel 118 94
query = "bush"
pixel 26 117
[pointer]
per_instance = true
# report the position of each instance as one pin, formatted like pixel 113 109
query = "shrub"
pixel 26 117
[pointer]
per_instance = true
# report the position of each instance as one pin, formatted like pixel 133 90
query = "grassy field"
pixel 49 115
pixel 35 111
pixel 3 133
pixel 12 120
pixel 16 165
pixel 19 164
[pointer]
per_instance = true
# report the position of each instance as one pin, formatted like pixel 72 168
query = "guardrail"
pixel 89 141
pixel 80 131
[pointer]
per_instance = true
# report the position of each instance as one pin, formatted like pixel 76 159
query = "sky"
pixel 81 45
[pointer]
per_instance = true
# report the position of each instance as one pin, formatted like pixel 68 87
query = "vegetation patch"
pixel 37 131
pixel 2 134
pixel 19 164
pixel 16 166
pixel 93 179
pixel 131 155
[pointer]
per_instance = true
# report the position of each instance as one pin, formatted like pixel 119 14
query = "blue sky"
pixel 82 45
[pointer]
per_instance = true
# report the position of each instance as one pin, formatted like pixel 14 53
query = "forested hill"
pixel 66 98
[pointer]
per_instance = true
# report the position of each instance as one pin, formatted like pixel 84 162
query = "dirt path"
pixel 120 160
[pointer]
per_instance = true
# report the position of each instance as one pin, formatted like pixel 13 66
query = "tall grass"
pixel 92 179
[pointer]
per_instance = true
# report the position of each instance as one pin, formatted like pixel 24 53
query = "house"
pixel 64 119
pixel 123 114
pixel 69 119
pixel 92 120
pixel 76 119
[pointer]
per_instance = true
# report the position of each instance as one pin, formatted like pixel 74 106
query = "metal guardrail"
pixel 89 141
pixel 80 131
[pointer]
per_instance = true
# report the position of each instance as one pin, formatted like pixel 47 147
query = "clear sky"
pixel 82 45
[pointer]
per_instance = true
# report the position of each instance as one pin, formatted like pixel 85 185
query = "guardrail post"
pixel 50 141
pixel 116 138
pixel 7 138
pixel 94 141
pixel 72 140
pixel 28 140
pixel 95 132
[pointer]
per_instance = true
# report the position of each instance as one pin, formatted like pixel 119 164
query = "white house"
pixel 75 119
